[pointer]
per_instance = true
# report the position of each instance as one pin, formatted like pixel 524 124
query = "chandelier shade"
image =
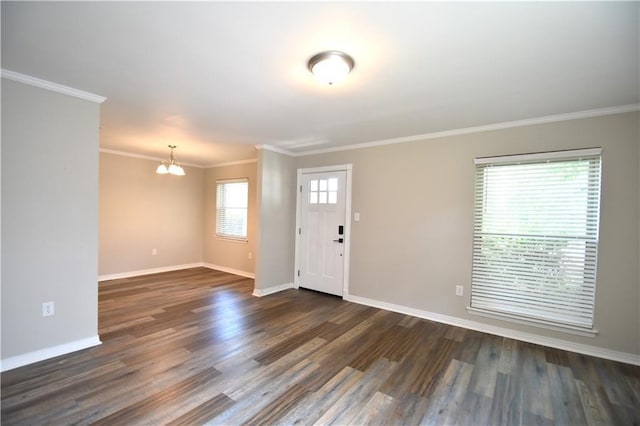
pixel 170 167
pixel 330 67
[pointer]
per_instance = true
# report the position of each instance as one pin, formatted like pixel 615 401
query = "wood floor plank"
pixel 424 361
pixel 409 410
pixel 476 407
pixel 509 356
pixel 38 394
pixel 506 408
pixel 137 385
pixel 537 390
pixel 447 400
pixel 373 409
pixel 594 407
pixel 279 407
pixel 283 348
pixel 336 350
pixel 143 410
pixel 256 399
pixel 263 375
pixel 344 410
pixel 618 391
pixel 195 347
pixel 565 399
pixel 634 384
pixel 485 372
pixel 204 412
pixel 316 404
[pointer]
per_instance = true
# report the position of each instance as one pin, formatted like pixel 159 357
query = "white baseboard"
pixel 625 357
pixel 229 270
pixel 42 354
pixel 259 292
pixel 140 272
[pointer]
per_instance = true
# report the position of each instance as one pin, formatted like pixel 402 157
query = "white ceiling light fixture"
pixel 331 67
pixel 173 168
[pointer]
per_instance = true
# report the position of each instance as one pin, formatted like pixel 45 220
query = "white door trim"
pixel 347 232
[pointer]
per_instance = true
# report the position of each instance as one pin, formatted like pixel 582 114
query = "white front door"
pixel 322 231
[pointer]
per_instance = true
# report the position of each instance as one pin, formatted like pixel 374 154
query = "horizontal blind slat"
pixel 231 208
pixel 536 237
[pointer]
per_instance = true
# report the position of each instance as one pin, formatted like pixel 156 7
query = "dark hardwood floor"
pixel 194 347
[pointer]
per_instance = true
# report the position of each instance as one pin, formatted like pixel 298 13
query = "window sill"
pixel 533 323
pixel 232 240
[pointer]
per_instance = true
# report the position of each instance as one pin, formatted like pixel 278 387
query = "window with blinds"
pixel 535 240
pixel 232 198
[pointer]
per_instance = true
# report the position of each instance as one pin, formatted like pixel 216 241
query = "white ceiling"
pixel 218 78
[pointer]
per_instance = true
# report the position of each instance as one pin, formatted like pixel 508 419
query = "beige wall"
pixel 141 211
pixel 276 219
pixel 49 219
pixel 412 245
pixel 224 252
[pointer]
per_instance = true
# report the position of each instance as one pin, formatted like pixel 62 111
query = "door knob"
pixel 339 240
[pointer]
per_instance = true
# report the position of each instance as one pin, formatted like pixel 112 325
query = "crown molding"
pixel 198 166
pixel 234 163
pixel 479 129
pixel 278 150
pixel 145 157
pixel 54 87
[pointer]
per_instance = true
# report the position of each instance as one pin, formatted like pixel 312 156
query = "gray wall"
pixel 412 245
pixel 224 252
pixel 49 218
pixel 141 211
pixel 276 219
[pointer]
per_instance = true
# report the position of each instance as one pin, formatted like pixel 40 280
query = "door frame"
pixel 348 168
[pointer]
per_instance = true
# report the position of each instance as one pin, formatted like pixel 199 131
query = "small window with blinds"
pixel 232 199
pixel 535 240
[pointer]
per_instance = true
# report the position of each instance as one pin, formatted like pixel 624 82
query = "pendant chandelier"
pixel 172 167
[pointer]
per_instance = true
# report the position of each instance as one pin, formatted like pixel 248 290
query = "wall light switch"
pixel 47 309
pixel 356 217
pixel 459 290
pixel 154 252
pixel 250 255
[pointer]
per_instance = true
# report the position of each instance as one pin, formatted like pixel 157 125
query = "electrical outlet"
pixel 47 309
pixel 250 255
pixel 154 252
pixel 459 290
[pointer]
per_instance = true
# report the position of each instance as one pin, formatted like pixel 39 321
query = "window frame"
pixel 591 241
pixel 218 231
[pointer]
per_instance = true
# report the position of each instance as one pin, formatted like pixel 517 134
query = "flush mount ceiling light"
pixel 331 67
pixel 172 168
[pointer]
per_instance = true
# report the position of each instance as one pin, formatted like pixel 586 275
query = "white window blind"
pixel 231 208
pixel 535 237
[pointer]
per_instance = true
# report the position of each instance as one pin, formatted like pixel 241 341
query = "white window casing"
pixel 232 199
pixel 535 240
